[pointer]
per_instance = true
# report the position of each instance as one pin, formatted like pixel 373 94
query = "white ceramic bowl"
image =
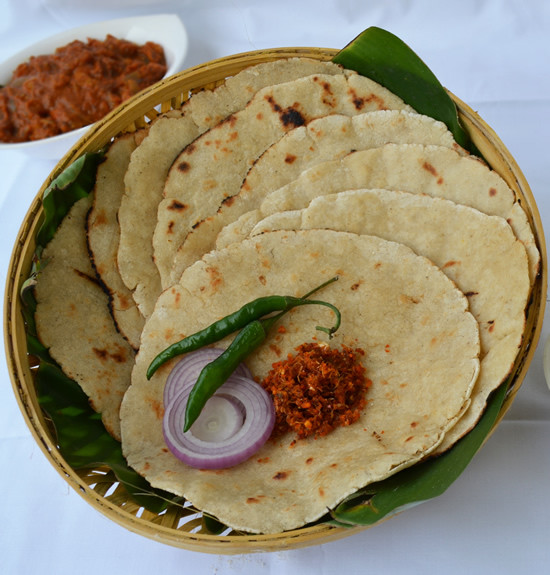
pixel 164 29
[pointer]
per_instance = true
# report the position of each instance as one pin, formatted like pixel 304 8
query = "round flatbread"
pixel 74 322
pixel 421 352
pixel 473 249
pixel 104 235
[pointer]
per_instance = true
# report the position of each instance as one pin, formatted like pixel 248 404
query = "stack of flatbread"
pixel 290 173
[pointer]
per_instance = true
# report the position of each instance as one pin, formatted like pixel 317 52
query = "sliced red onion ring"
pixel 236 440
pixel 187 370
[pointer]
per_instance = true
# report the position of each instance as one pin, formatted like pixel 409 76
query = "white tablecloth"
pixel 493 54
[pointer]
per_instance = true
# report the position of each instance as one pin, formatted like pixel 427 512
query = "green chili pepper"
pixel 230 324
pixel 216 373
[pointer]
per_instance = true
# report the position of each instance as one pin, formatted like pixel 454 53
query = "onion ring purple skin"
pixel 255 431
pixel 187 370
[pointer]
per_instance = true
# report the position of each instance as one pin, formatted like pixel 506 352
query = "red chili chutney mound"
pixel 317 390
pixel 76 86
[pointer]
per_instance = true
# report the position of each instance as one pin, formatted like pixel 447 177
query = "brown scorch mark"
pixel 280 475
pixel 177 206
pixel 290 117
pixel 85 276
pixel 360 102
pixel 118 354
pixel 215 277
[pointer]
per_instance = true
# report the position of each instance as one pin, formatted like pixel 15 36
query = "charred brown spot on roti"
pixel 177 297
pixel 429 168
pixel 118 355
pixel 309 460
pixel 492 192
pixel 231 120
pixel 451 263
pixel 209 184
pixel 263 460
pixel 102 354
pixel 355 286
pixel 216 279
pixel 124 302
pixel 410 299
pixel 177 206
pixel 471 293
pixel 281 475
pixel 100 218
pixel 229 201
pixel 184 167
pixel 252 500
pixel 157 408
pixel 321 492
pixel 361 101
pixel 87 277
pixel 328 97
pixel 290 159
pixel 491 325
pixel 262 280
pixel 170 227
pixel 324 84
pixel 290 117
pixel 275 349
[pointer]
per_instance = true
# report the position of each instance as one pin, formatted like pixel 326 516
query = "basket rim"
pixel 32 414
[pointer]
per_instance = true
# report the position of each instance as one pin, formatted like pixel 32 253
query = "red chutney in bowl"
pixel 75 86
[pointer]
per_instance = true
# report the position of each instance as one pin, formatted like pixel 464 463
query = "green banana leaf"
pixel 386 59
pixel 71 185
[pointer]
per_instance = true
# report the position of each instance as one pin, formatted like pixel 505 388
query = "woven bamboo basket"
pixel 182 527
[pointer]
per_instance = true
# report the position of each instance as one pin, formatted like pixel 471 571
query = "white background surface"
pixel 494 55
